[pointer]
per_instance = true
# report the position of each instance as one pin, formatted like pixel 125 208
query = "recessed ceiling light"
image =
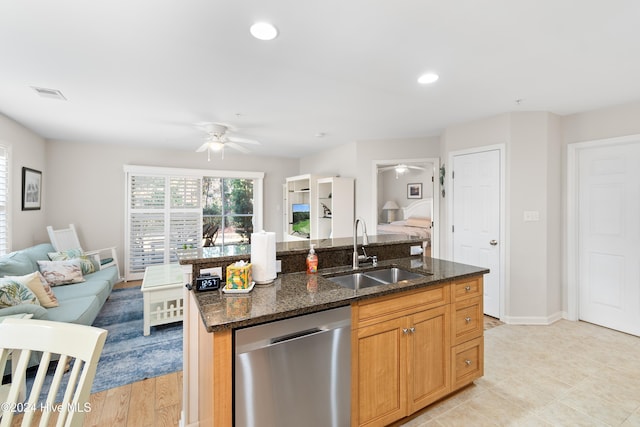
pixel 427 78
pixel 263 31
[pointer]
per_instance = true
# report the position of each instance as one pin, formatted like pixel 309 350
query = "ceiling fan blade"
pixel 203 147
pixel 416 167
pixel 386 168
pixel 242 140
pixel 238 147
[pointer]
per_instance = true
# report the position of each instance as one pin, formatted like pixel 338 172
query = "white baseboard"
pixel 533 320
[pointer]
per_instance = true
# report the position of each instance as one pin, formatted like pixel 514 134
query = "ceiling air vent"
pixel 49 93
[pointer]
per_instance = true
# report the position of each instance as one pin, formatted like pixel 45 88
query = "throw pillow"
pixel 14 293
pixel 40 288
pixel 86 264
pixel 61 272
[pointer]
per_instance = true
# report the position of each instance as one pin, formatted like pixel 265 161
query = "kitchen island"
pixel 447 300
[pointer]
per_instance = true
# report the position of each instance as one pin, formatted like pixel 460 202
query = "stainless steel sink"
pixel 379 277
pixel 393 275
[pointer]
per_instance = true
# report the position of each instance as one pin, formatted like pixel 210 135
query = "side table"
pixel 162 295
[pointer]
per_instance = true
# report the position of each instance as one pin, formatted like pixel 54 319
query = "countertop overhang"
pixel 296 294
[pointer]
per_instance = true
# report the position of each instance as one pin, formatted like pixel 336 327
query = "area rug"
pixel 129 356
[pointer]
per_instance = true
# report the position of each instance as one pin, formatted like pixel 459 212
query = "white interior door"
pixel 609 236
pixel 476 219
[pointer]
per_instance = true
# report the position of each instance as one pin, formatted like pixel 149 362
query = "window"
pixel 4 200
pixel 165 207
pixel 227 211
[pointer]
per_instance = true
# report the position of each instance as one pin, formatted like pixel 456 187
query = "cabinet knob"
pixel 468 362
pixel 405 331
pixel 467 319
pixel 467 288
pixel 412 330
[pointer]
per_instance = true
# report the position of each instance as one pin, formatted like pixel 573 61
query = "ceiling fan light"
pixel 216 146
pixel 401 169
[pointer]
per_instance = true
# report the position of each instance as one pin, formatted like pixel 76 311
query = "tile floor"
pixel 565 374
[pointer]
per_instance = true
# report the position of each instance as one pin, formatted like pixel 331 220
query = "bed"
pixel 416 221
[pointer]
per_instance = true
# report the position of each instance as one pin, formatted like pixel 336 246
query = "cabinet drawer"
pixel 468 320
pixel 467 362
pixel 392 306
pixel 466 288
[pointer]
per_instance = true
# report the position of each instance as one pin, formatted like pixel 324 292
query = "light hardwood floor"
pixel 151 402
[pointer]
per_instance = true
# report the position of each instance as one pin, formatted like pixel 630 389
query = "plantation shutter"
pixel 4 189
pixel 164 214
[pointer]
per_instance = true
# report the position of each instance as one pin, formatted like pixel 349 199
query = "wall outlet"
pixel 216 271
pixel 416 250
pixel 278 266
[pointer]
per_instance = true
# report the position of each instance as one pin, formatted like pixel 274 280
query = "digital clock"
pixel 207 283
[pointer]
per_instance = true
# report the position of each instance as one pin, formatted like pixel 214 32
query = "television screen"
pixel 301 223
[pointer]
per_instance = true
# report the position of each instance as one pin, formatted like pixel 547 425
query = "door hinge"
pixel 453 228
pixel 453 175
pixel 431 179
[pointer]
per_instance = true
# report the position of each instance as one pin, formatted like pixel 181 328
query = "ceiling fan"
pixel 400 168
pixel 218 139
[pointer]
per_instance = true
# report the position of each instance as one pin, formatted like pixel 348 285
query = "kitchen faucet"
pixel 365 241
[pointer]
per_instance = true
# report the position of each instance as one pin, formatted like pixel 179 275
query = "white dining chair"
pixel 73 349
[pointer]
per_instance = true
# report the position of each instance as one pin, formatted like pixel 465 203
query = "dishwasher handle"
pixel 295 335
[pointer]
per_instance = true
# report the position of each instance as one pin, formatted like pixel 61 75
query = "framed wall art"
pixel 31 189
pixel 414 191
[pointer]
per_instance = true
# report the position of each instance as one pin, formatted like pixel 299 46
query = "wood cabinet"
pixel 400 355
pixel 411 349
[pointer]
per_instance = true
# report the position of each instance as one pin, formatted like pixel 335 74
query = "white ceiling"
pixel 143 72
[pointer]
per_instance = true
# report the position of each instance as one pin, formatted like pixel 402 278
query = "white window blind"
pixel 4 209
pixel 164 214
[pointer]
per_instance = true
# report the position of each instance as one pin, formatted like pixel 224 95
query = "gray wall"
pixel 27 149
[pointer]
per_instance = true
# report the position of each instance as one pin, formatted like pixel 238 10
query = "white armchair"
pixel 67 238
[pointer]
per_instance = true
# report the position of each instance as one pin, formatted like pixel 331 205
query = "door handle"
pixel 493 242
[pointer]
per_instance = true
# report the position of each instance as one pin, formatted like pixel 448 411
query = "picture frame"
pixel 414 191
pixel 31 189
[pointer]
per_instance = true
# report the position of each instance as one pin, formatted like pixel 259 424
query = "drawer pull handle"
pixel 468 362
pixel 467 288
pixel 467 319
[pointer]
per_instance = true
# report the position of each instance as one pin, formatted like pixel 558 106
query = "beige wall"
pixel 27 149
pixel 86 185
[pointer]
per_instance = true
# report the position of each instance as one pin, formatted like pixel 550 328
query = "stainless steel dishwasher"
pixel 295 372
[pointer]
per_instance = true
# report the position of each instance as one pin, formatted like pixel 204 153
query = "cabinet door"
pixel 429 357
pixel 379 373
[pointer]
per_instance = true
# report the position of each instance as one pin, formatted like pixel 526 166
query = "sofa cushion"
pixel 86 264
pixel 101 289
pixel 82 310
pixel 61 272
pixel 14 293
pixel 39 286
pixel 38 312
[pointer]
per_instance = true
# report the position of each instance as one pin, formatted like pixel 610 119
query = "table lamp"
pixel 391 208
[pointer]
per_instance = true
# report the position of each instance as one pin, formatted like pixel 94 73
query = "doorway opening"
pixel 408 188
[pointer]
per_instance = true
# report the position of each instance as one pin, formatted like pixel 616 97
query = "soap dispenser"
pixel 312 261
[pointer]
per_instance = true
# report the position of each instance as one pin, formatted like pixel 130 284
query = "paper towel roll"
pixel 263 257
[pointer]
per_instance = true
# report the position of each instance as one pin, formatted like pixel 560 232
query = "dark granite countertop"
pixel 236 252
pixel 296 294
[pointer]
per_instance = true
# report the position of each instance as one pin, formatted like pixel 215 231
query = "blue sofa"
pixel 78 302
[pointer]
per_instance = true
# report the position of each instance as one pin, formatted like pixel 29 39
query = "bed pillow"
pixel 61 272
pixel 419 221
pixel 86 264
pixel 40 288
pixel 14 293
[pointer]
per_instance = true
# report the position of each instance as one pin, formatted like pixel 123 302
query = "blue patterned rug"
pixel 128 356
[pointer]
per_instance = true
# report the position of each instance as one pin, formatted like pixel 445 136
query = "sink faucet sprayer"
pixel 365 241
